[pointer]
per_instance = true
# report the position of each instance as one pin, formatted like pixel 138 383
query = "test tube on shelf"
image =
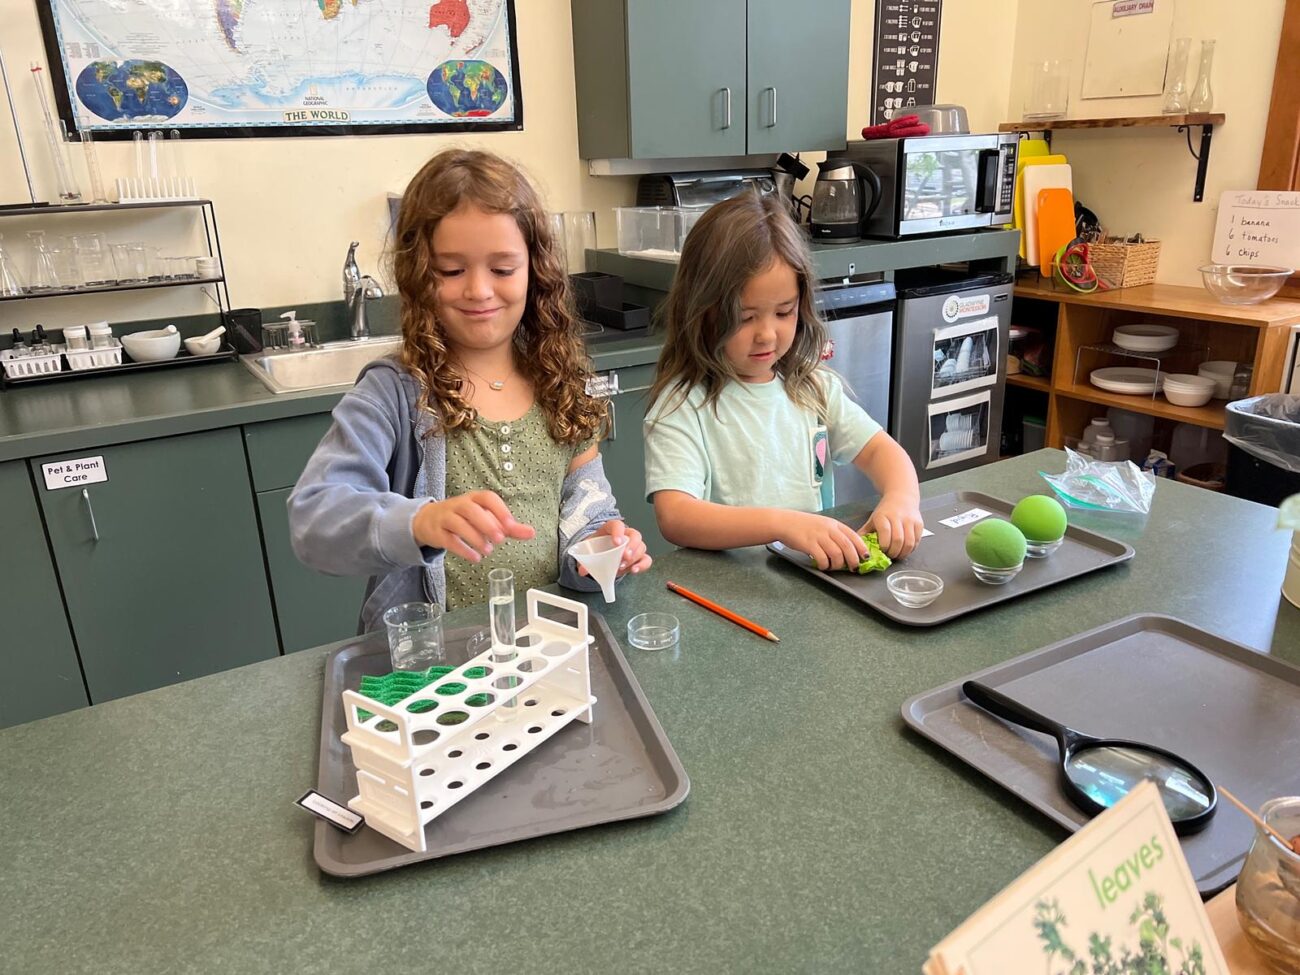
pixel 155 183
pixel 137 139
pixel 92 165
pixel 56 137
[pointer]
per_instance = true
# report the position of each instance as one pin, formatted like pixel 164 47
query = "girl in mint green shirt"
pixel 744 421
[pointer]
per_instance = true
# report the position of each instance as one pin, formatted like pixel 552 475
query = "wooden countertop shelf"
pixel 1209 415
pixel 1170 300
pixel 1039 383
pixel 1117 122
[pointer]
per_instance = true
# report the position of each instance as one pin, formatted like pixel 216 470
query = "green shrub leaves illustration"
pixel 1156 951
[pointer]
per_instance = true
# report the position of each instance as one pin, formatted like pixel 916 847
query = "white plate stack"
pixel 1145 337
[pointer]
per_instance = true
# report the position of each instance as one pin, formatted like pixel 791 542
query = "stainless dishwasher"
pixel 859 346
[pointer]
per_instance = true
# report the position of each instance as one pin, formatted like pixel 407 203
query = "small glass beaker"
pixel 155 264
pixel 127 271
pixel 1268 889
pixel 65 260
pixel 94 258
pixel 1176 97
pixel 1049 90
pixel 414 635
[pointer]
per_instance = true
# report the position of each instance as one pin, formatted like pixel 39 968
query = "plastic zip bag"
pixel 1100 485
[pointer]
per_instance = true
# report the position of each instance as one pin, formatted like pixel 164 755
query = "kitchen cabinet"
pixel 623 454
pixel 161 565
pixel 679 78
pixel 38 662
pixel 310 608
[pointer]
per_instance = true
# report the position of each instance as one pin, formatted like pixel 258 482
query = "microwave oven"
pixel 936 183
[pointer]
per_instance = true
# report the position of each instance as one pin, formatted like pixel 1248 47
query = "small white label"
pixel 330 811
pixel 74 473
pixel 926 533
pixel 965 518
pixel 1132 8
pixel 603 387
pixel 965 306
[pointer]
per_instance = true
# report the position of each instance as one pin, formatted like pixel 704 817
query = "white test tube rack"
pixel 437 748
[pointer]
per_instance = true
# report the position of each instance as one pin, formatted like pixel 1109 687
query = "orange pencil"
pixel 726 614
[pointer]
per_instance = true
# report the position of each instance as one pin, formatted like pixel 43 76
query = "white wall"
pixel 1141 179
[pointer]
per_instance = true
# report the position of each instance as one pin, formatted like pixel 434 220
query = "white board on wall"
pixel 1128 47
pixel 1257 227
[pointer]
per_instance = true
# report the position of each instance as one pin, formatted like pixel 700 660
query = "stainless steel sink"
pixel 332 364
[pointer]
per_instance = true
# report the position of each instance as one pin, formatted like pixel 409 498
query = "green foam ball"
pixel 996 543
pixel 1039 518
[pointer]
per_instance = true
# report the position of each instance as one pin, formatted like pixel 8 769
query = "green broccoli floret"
pixel 876 560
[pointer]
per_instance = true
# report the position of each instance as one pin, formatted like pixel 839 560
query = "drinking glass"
pixel 575 234
pixel 1049 90
pixel 1268 889
pixel 414 635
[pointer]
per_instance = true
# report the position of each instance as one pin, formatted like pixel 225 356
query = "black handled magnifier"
pixel 1098 772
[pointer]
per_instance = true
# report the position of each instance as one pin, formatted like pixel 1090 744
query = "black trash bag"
pixel 1268 428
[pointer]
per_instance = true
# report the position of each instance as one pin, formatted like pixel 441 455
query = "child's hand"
pixel 468 525
pixel 830 543
pixel 897 524
pixel 634 558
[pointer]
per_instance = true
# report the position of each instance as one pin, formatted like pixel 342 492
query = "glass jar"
pixel 1176 95
pixel 1268 889
pixel 1203 94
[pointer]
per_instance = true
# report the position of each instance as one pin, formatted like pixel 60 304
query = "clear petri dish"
pixel 653 631
pixel 996 577
pixel 1041 550
pixel 914 588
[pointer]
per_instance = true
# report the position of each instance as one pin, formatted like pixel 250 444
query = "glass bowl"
pixel 1041 550
pixel 653 631
pixel 1243 284
pixel 996 577
pixel 1268 889
pixel 913 588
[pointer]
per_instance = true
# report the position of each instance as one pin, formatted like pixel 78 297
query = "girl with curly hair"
pixel 479 438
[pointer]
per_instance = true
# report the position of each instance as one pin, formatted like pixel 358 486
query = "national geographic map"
pixel 241 64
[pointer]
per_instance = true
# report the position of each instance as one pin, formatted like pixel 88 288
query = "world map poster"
pixel 283 67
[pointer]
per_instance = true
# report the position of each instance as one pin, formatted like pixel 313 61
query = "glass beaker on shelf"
pixel 130 266
pixel 95 260
pixel 155 264
pixel 45 271
pixel 65 261
pixel 1176 94
pixel 1049 90
pixel 1203 94
pixel 11 282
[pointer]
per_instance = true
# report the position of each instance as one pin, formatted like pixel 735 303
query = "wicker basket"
pixel 1124 265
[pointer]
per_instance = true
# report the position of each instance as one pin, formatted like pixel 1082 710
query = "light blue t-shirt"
pixel 760 449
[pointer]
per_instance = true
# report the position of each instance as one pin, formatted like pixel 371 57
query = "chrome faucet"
pixel 357 287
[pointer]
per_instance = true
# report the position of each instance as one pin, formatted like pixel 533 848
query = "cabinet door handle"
pixel 772 124
pixel 94 529
pixel 726 108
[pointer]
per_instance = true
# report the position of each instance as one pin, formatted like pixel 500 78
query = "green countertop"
pixel 157 833
pixel 96 411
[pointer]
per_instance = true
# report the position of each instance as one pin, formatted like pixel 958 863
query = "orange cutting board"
pixel 1055 224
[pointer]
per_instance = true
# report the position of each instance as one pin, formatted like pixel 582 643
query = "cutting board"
pixel 1055 223
pixel 1037 179
pixel 1028 157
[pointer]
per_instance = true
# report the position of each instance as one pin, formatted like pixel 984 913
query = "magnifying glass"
pixel 1096 773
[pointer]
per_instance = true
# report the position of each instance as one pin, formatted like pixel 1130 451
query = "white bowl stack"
pixel 1222 372
pixel 1184 389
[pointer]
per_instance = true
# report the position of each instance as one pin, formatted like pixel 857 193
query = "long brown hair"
pixel 548 345
pixel 730 244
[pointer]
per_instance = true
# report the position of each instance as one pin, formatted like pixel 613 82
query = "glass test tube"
pixel 55 136
pixel 501 613
pixel 92 166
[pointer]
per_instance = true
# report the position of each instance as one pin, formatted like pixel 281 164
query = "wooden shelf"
pixel 1209 415
pixel 1118 122
pixel 1169 300
pixel 1183 123
pixel 1029 382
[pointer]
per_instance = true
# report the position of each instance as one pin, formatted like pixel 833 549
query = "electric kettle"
pixel 845 194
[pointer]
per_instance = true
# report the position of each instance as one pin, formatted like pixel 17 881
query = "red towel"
pixel 897 128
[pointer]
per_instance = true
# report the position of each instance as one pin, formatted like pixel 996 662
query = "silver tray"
pixel 621 766
pixel 944 554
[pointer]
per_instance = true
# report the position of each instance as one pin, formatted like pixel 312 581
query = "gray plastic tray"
pixel 944 554
pixel 621 766
pixel 1231 711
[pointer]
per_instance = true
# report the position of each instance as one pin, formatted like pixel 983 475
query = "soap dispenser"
pixel 293 329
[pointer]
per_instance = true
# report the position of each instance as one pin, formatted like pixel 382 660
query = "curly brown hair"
pixel 548 344
pixel 730 244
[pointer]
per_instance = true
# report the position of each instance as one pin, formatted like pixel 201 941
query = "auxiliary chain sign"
pixel 905 62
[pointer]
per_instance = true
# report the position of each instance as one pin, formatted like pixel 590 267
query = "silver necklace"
pixel 495 385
